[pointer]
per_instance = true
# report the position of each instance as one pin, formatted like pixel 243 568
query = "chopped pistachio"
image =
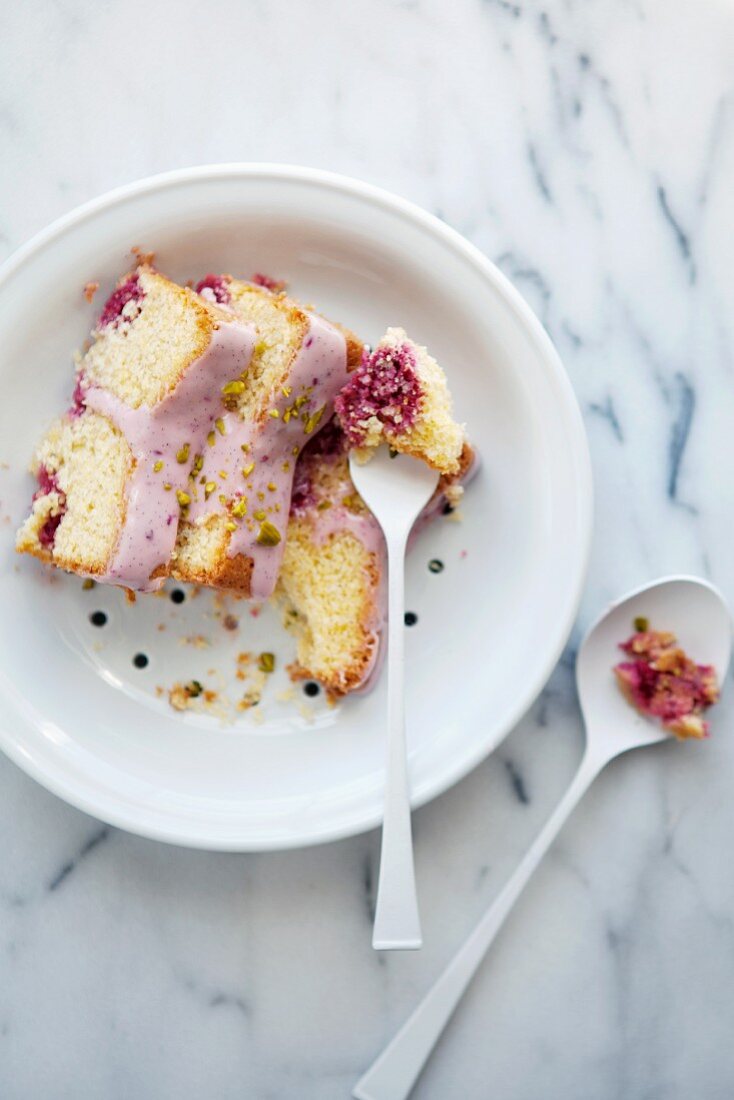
pixel 323 505
pixel 313 421
pixel 261 496
pixel 260 514
pixel 300 401
pixel 274 413
pixel 223 475
pixel 222 499
pixel 183 455
pixel 202 479
pixel 183 498
pixel 233 388
pixel 219 425
pixel 88 583
pixel 230 525
pixel 286 416
pixel 641 624
pixel 198 463
pixel 247 470
pixel 268 535
pixel 285 467
pixel 193 689
pixel 209 488
pixel 295 450
pixel 286 390
pixel 167 486
pixel 266 662
pixel 272 486
pixel 244 447
pixel 240 507
pixel 157 466
pixel 211 438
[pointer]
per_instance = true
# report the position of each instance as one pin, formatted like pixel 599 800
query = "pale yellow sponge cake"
pixel 115 474
pixel 330 583
pixel 399 396
pixel 233 535
pixel 82 467
pixel 332 579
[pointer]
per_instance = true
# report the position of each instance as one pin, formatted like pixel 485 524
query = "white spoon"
pixel 395 490
pixel 696 612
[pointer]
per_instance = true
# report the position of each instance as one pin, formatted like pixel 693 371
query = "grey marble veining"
pixel 589 149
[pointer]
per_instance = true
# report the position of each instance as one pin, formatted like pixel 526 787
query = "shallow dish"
pixel 76 711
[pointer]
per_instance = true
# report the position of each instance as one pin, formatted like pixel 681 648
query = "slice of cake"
pixel 399 396
pixel 114 473
pixel 233 535
pixel 332 580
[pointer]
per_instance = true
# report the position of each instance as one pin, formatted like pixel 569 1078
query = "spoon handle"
pixel 397 923
pixel 393 1074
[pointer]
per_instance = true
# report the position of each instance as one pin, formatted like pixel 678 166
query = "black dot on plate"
pixel 435 565
pixel 178 595
pixel 410 618
pixel 140 660
pixel 311 688
pixel 447 509
pixel 98 618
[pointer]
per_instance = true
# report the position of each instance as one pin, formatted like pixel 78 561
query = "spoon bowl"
pixel 693 609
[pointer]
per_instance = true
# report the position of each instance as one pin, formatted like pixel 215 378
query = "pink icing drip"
pixel 321 366
pixel 156 434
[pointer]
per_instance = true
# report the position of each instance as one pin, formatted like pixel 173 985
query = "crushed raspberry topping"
pixel 129 291
pixel 663 682
pixel 78 398
pixel 330 442
pixel 385 386
pixel 217 287
pixel 276 285
pixel 47 483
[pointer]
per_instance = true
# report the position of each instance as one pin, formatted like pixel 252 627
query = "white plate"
pixel 74 711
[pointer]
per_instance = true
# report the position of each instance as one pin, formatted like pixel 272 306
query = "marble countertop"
pixel 589 150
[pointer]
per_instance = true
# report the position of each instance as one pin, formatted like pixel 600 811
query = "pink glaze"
pixel 385 386
pixel 156 434
pixel 319 371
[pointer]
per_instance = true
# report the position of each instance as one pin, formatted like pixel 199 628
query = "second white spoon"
pixel 696 612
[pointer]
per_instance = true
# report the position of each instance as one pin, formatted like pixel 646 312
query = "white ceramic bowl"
pixel 74 711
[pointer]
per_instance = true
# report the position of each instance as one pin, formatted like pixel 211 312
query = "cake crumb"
pixel 198 641
pixel 286 696
pixel 90 289
pixel 142 258
pixel 230 622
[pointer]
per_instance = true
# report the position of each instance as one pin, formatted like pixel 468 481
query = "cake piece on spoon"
pixel 399 396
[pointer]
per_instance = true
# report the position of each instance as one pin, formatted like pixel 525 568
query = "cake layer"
pixel 332 583
pixel 234 533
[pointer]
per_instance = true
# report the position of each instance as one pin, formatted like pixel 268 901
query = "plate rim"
pixel 183 834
